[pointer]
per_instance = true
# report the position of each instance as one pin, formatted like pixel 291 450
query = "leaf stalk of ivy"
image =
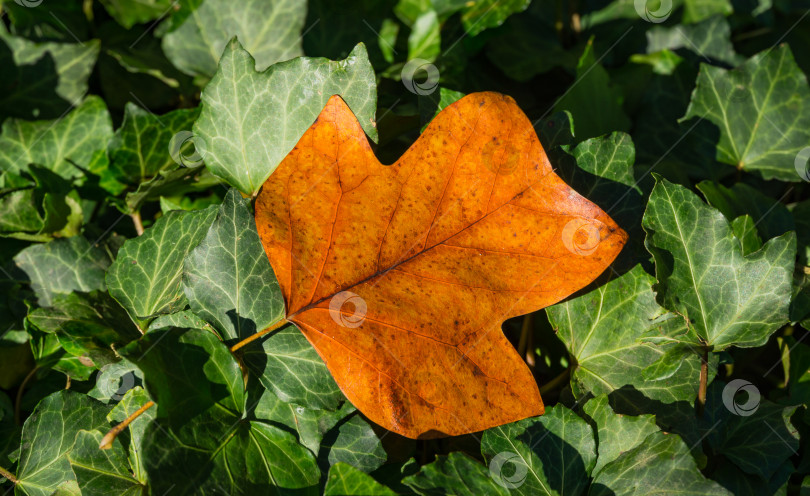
pixel 257 335
pixel 8 475
pixel 704 380
pixel 136 220
pixel 107 440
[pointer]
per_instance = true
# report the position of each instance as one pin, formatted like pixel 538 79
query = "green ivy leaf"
pixel 288 365
pixel 60 144
pixel 353 442
pixel 227 278
pixel 601 330
pixel 142 146
pixel 698 10
pixel 48 436
pixel 345 480
pixel 424 42
pixel 761 110
pixel 187 371
pixel 708 41
pixel 102 472
pixel 185 319
pixel 271 31
pixel 146 277
pixel 771 217
pixel 553 454
pixel 43 80
pixel 591 90
pixel 63 266
pixel 178 180
pixel 455 474
pixel 616 433
pixel 661 463
pixel 243 110
pixel 134 399
pixel 698 260
pixel 131 12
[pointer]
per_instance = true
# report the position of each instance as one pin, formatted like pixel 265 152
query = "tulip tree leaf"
pixel 63 266
pixel 42 80
pixel 270 30
pixel 673 471
pixel 761 109
pixel 48 436
pixel 102 472
pixel 227 278
pixel 698 260
pixel 57 144
pixel 141 147
pixel 289 366
pixel 251 120
pixel 601 330
pixel 345 480
pixel 146 277
pixel 556 452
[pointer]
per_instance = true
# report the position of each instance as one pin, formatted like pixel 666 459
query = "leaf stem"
pixel 136 219
pixel 107 440
pixel 704 380
pixel 8 475
pixel 20 391
pixel 553 383
pixel 254 337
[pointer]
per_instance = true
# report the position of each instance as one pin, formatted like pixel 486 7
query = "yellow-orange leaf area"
pixel 401 276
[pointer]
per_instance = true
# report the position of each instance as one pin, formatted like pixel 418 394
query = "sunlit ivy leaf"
pixel 745 230
pixel 146 277
pixel 48 436
pixel 114 380
pixel 556 452
pixel 616 433
pixel 289 366
pixel 698 260
pixel 271 31
pixel 354 442
pixel 251 120
pixel 63 266
pixel 601 330
pixel 60 144
pixel 761 110
pixel 673 471
pixel 698 10
pixel 102 472
pixel 592 90
pixel 707 41
pixel 424 42
pixel 345 480
pixel 187 371
pixel 185 319
pixel 43 80
pixel 758 441
pixel 308 424
pixel 479 15
pixel 219 452
pixel 134 399
pixel 142 146
pixel 87 324
pixel 455 474
pixel 178 180
pixel 227 278
pixel 131 12
pixel 771 217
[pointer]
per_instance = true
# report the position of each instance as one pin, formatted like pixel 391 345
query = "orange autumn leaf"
pixel 400 276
